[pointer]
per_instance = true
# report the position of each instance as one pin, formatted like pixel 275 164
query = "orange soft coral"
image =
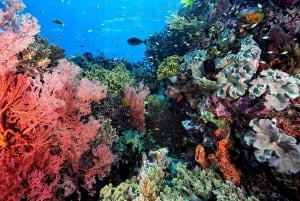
pixel 221 157
pixel 229 171
pixel 253 18
pixel 200 156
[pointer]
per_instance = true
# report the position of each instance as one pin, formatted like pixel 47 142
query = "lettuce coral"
pixel 237 69
pixel 279 86
pixel 194 61
pixel 273 145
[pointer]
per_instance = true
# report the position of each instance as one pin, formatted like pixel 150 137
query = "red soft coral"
pixel 41 120
pixel 135 98
pixel 37 117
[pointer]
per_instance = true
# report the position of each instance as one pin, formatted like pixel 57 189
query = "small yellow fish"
pixel 125 102
pixel 187 3
pixel 119 67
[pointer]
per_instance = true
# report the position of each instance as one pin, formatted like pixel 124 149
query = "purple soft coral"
pixel 247 106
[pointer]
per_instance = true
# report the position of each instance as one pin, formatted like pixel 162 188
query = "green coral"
pixel 169 67
pixel 207 116
pixel 207 84
pixel 132 139
pixel 114 79
pixel 122 192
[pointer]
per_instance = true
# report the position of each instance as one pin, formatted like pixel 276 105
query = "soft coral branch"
pixel 14 39
pixel 135 96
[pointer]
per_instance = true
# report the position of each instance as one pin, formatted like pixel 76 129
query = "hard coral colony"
pixel 221 121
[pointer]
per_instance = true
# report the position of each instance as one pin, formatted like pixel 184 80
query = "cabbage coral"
pixel 278 86
pixel 194 61
pixel 238 69
pixel 273 145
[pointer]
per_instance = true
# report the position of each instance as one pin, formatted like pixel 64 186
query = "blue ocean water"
pixel 101 26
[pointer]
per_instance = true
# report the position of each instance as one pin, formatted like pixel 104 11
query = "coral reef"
pixel 224 74
pixel 196 184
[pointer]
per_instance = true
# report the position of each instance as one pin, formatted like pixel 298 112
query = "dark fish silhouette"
pixel 136 41
pixel 56 21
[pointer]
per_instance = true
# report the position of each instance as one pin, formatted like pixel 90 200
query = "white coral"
pixel 273 145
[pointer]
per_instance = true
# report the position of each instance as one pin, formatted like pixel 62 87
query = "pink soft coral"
pixel 41 129
pixel 135 98
pixel 41 126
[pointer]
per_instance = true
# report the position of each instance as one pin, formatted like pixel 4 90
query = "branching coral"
pixel 195 184
pixel 273 145
pixel 182 23
pixel 238 69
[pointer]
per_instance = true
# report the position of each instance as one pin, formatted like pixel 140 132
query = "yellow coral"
pixel 169 67
pixel 147 190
